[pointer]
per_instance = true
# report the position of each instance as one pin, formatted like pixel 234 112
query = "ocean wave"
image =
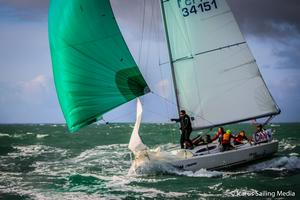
pixel 39 136
pixel 157 168
pixel 286 144
pixel 102 161
pixel 103 152
pixel 4 135
pixel 11 135
pixel 36 150
pixel 15 135
pixel 201 173
pixel 142 192
pixel 23 193
pixel 155 162
pixel 277 164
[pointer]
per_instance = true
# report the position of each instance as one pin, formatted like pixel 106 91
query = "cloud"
pixel 31 92
pixel 276 24
pixel 27 10
pixel 34 91
pixel 267 18
pixel 285 90
pixel 28 101
pixel 289 55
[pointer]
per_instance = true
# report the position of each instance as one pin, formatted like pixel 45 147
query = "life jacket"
pixel 226 138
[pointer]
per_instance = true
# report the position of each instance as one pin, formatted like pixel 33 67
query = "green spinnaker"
pixel 93 69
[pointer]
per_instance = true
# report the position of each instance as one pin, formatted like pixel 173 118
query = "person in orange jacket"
pixel 226 140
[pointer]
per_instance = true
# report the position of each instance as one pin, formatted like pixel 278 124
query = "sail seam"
pixel 208 51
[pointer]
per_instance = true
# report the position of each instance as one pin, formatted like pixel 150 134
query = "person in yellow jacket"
pixel 226 140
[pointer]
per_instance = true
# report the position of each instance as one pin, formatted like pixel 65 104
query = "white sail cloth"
pixel 136 144
pixel 217 78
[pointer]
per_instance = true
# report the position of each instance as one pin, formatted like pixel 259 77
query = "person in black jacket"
pixel 186 129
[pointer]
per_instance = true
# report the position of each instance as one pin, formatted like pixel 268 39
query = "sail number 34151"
pixel 196 8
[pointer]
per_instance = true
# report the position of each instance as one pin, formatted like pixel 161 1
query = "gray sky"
pixel 271 27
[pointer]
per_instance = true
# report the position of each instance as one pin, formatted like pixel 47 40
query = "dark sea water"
pixel 47 162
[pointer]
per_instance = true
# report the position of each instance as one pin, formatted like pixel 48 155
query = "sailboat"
pixel 215 76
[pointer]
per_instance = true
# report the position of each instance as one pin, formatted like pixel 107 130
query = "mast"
pixel 170 55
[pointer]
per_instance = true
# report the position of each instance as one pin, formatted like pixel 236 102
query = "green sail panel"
pixel 93 69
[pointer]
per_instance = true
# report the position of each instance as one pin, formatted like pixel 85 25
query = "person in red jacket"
pixel 240 138
pixel 218 135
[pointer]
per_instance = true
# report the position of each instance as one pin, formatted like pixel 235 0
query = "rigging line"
pixel 268 120
pixel 167 100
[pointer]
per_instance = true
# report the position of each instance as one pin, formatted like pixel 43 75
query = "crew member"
pixel 218 135
pixel 186 129
pixel 226 140
pixel 240 138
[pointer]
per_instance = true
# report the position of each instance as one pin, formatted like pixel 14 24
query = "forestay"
pixel 217 78
pixel 93 69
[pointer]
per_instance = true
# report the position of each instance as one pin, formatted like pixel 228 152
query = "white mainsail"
pixel 216 77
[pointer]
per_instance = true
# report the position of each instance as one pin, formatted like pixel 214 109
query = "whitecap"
pixel 18 136
pixel 289 147
pixel 286 145
pixel 200 173
pixel 215 187
pixel 4 135
pixel 34 150
pixel 275 125
pixel 39 136
pixel 277 164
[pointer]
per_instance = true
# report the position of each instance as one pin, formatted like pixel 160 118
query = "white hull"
pixel 190 160
pixel 237 156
